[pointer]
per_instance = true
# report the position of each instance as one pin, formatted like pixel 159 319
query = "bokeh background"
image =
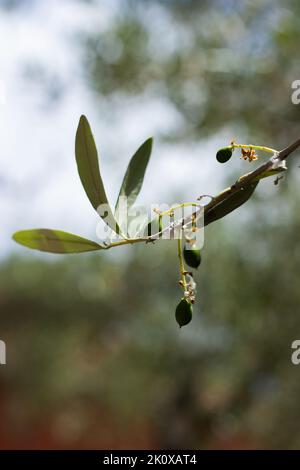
pixel 94 356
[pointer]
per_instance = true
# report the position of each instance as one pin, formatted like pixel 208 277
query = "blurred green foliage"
pixel 91 336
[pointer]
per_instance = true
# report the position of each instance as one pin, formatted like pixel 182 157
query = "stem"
pixel 255 147
pixel 181 263
pixel 284 153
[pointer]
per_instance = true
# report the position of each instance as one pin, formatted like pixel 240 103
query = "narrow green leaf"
pixel 54 241
pixel 229 204
pixel 88 169
pixel 133 179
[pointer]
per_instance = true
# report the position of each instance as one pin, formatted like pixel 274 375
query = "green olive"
pixel 224 154
pixel 231 203
pixel 192 256
pixel 184 312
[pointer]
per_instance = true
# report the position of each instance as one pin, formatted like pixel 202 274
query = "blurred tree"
pixel 218 63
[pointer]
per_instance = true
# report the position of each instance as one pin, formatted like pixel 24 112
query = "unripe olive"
pixel 224 154
pixel 184 312
pixel 192 256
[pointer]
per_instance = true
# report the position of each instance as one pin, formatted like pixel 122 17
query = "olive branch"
pixel 228 200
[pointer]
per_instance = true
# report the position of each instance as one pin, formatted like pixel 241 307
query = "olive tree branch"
pixel 274 165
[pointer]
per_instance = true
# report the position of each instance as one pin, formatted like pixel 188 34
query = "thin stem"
pixel 181 263
pixel 129 241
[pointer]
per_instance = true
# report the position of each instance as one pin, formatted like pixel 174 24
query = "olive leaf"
pixel 229 204
pixel 133 180
pixel 89 173
pixel 55 241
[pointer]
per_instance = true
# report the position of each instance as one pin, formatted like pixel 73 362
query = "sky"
pixel 43 92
